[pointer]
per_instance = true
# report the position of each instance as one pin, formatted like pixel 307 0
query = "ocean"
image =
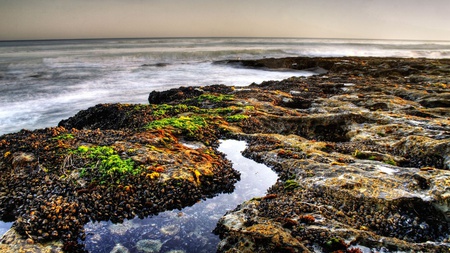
pixel 43 82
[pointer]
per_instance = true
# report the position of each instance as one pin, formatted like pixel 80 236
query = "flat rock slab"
pixel 363 154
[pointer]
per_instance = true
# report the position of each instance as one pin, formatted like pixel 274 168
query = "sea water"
pixel 190 229
pixel 43 82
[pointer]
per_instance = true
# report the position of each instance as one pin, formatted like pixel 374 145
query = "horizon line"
pixel 212 37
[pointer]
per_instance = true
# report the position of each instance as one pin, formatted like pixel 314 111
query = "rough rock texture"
pixel 12 242
pixel 56 180
pixel 363 155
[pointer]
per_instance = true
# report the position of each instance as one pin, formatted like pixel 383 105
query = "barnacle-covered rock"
pixel 365 160
pixel 12 242
pixel 56 180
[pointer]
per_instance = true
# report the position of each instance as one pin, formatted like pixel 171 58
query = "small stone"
pixel 149 246
pixel 119 248
pixel 170 230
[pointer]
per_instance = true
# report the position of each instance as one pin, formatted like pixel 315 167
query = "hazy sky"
pixel 377 19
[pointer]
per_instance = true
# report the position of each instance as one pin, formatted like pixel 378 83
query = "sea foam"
pixel 43 82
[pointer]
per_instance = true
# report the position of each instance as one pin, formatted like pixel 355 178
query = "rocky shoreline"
pixel 362 151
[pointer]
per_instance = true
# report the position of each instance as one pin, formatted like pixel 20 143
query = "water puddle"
pixel 4 226
pixel 189 229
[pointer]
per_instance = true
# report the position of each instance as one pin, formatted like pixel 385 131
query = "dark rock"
pixel 159 64
pixel 436 100
pixel 173 95
pixel 176 95
pixel 102 116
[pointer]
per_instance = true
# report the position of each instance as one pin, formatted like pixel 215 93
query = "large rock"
pixel 363 163
pixel 12 242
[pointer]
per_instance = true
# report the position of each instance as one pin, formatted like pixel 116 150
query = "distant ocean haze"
pixel 43 82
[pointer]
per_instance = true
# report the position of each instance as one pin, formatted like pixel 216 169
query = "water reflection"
pixel 4 226
pixel 188 230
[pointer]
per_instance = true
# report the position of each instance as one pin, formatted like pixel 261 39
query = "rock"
pixel 119 248
pixel 436 100
pixel 170 229
pixel 149 246
pixel 364 164
pixel 159 64
pixel 245 234
pixel 122 228
pixel 62 179
pixel 12 242
pixel 177 95
pixel 21 159
pixel 423 151
pixel 102 116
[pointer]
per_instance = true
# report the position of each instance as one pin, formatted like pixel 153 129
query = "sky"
pixel 361 19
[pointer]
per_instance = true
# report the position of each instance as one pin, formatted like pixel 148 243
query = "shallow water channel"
pixel 4 226
pixel 189 229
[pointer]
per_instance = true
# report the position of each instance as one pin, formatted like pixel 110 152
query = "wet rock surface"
pixel 12 242
pixel 56 180
pixel 362 151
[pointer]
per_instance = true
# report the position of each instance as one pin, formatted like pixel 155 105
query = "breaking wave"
pixel 42 82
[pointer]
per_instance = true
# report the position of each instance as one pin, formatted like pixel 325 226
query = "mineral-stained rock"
pixel 12 242
pixel 244 234
pixel 363 164
pixel 56 180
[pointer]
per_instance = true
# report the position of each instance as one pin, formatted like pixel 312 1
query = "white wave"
pixel 43 82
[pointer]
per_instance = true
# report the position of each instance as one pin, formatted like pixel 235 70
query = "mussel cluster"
pixel 406 219
pixel 41 188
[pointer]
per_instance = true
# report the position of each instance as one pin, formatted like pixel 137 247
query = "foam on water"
pixel 385 169
pixel 25 106
pixel 43 82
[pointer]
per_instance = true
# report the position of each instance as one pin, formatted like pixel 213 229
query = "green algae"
pixel 390 162
pixel 214 98
pixel 336 245
pixel 360 155
pixel 66 136
pixel 106 162
pixel 161 110
pixel 223 110
pixel 290 185
pixel 187 124
pixel 236 118
pixel 139 107
pixel 190 119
